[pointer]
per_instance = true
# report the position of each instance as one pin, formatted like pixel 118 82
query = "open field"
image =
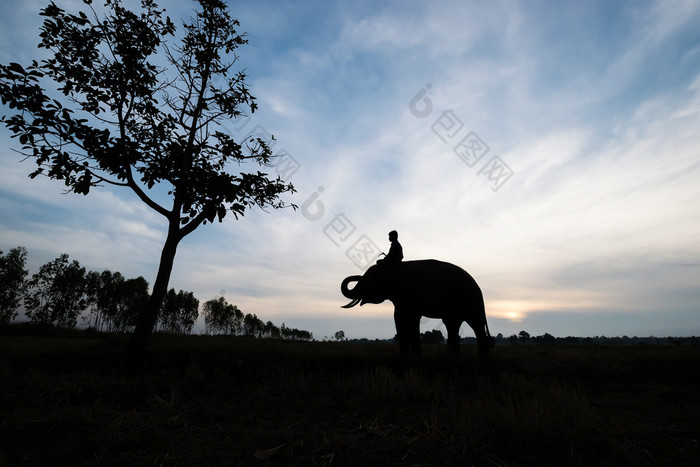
pixel 224 401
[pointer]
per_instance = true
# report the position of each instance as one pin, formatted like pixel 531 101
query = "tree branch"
pixel 143 196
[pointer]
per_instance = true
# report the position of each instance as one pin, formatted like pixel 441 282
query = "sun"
pixel 512 310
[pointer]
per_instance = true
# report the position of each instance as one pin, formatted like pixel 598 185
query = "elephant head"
pixel 370 288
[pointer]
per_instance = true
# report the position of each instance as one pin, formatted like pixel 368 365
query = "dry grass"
pixel 223 401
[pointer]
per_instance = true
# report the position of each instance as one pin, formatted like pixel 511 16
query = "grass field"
pixel 224 401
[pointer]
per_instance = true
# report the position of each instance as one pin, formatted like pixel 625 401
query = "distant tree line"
pixel 548 339
pixel 524 338
pixel 221 317
pixel 63 291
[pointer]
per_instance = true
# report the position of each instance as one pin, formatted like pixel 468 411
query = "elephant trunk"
pixel 354 293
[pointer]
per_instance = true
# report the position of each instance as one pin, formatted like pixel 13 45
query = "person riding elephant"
pixel 391 261
pixel 395 254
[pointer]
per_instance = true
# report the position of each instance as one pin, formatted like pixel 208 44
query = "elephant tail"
pixel 491 340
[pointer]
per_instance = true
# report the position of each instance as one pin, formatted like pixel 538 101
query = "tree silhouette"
pixel 272 331
pixel 95 287
pixel 57 293
pixel 12 284
pixel 118 119
pixel 222 317
pixel 179 313
pixel 545 338
pixel 252 325
pixel 133 300
pixel 295 334
pixel 433 337
pixel 114 302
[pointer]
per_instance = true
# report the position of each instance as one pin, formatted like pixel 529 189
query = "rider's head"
pixel 393 235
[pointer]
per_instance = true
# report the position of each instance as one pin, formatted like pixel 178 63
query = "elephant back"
pixel 439 278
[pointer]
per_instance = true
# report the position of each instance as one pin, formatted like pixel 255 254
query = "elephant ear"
pixel 387 282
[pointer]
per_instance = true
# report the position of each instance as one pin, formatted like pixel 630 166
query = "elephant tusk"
pixel 352 303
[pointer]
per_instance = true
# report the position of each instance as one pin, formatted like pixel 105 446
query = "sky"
pixel 549 148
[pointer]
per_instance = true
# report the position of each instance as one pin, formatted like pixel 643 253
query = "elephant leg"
pixel 483 341
pixel 407 330
pixel 453 338
pixel 415 334
pixel 402 331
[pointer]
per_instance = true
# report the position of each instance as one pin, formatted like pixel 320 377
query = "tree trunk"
pixel 148 318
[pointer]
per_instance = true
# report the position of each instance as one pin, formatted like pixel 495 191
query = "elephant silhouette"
pixel 430 288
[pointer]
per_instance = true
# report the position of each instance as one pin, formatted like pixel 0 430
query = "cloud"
pixel 666 18
pixel 445 29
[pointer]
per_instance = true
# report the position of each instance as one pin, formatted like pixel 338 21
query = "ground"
pixel 200 400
